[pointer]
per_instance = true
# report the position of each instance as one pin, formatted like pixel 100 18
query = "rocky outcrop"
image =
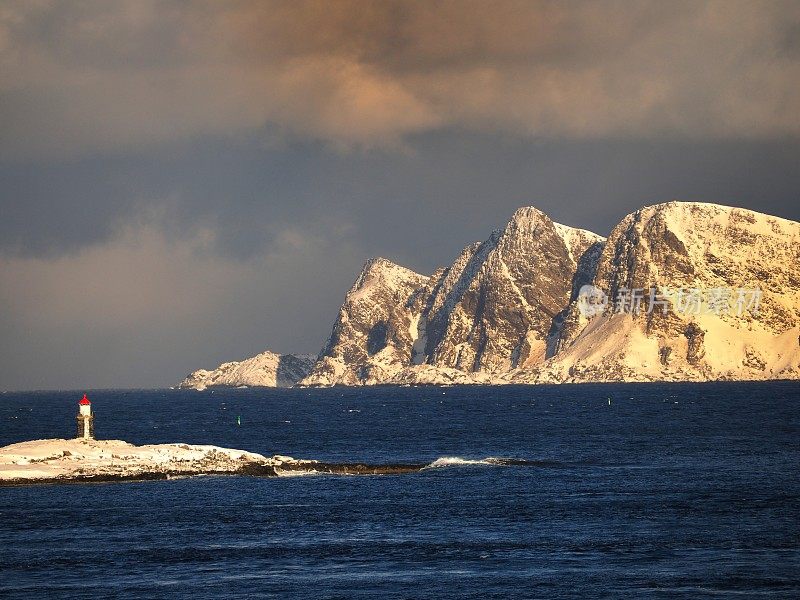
pixel 374 334
pixel 491 311
pixel 694 341
pixel 513 308
pixel 499 312
pixel 114 460
pixel 263 370
pixel 707 263
pixel 93 461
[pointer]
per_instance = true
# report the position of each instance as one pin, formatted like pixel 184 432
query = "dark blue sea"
pixel 672 490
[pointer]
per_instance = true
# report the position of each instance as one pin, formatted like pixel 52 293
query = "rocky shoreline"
pixel 57 461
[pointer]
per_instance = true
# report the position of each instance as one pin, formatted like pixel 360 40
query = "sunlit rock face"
pixel 722 255
pixel 373 336
pixel 509 309
pixel 267 369
pixel 492 310
pixel 498 312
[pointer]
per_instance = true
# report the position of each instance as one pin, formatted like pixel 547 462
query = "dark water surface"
pixel 675 490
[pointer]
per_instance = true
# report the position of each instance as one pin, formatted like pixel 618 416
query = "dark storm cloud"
pixel 186 183
pixel 96 76
pixel 418 206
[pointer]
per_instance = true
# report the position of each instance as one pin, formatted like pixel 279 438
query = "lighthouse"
pixel 85 419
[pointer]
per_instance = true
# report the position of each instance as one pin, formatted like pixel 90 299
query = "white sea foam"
pixel 300 468
pixel 495 461
pixel 292 473
pixel 454 461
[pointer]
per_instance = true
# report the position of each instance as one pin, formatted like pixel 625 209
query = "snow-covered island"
pixel 508 310
pixel 104 460
pixel 90 460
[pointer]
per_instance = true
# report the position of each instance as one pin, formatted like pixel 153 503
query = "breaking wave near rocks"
pixel 496 461
pixel 292 467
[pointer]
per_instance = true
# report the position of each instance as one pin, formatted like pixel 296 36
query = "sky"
pixel 187 183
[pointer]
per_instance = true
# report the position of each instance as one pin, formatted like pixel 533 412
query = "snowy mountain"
pixel 266 369
pixel 508 310
pixel 679 291
pixel 708 264
pixel 491 311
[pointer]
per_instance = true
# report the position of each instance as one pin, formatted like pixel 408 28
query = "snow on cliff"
pixel 674 248
pixel 489 312
pixel 266 369
pixel 508 308
pixel 373 336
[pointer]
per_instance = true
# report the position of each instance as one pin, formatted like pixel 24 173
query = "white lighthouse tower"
pixel 85 419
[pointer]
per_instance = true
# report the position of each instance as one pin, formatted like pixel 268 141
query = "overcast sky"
pixel 184 183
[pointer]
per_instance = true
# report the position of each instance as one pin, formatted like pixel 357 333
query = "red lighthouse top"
pixel 84 400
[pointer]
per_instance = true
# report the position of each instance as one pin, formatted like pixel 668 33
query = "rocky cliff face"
pixel 707 264
pixel 374 334
pixel 491 311
pixel 496 313
pixel 511 309
pixel 264 370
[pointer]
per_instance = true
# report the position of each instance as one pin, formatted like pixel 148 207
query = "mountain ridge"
pixel 509 308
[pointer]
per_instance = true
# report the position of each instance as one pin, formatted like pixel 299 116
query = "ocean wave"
pixel 296 472
pixel 291 467
pixel 496 461
pixel 456 461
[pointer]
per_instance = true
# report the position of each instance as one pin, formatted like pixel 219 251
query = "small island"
pixel 85 459
pixel 58 460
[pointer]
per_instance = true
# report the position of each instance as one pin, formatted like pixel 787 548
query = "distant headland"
pixel 680 291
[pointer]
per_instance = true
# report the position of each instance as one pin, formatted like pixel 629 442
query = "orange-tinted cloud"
pixel 97 76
